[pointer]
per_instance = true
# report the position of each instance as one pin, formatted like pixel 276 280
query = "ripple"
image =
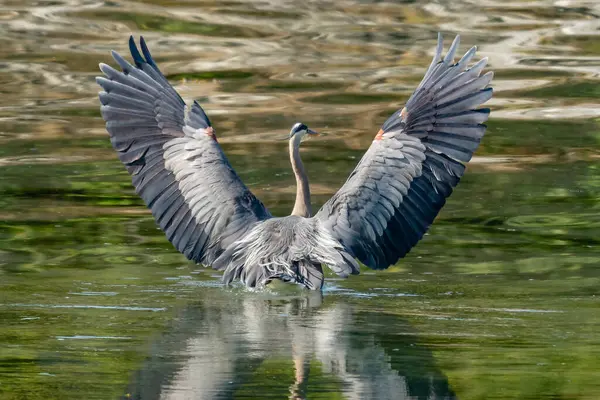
pixel 562 112
pixel 91 337
pixel 591 220
pixel 150 22
pixel 513 310
pixel 87 306
pixel 110 294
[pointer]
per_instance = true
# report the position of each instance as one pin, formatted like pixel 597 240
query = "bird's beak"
pixel 311 132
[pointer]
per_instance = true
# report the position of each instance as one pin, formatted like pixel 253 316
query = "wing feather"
pixel 401 183
pixel 177 166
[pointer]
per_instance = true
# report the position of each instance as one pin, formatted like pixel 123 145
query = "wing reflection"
pixel 261 346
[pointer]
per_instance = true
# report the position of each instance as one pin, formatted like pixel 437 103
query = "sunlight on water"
pixel 500 300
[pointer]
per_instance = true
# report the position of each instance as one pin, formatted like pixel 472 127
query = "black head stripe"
pixel 299 127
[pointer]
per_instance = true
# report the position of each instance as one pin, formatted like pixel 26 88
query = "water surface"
pixel 500 300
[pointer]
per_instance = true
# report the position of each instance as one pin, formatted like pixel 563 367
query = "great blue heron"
pixel 378 215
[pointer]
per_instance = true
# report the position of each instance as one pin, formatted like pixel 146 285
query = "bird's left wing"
pixel 176 164
pixel 412 166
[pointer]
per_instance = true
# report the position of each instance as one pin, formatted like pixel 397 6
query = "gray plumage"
pixel 378 215
pixel 289 248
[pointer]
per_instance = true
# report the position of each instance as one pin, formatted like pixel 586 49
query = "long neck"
pixel 302 206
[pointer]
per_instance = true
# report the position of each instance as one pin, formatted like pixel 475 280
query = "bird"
pixel 383 209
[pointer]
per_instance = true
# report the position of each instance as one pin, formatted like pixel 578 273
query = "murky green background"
pixel 501 300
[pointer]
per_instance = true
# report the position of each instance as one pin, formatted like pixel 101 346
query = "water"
pixel 499 301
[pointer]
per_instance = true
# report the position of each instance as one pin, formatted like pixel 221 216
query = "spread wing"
pixel 401 183
pixel 175 162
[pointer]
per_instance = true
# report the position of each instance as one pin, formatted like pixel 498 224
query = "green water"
pixel 500 300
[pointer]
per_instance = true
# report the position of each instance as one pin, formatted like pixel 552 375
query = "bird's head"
pixel 300 132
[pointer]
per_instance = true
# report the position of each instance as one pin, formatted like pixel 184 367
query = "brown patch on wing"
pixel 211 132
pixel 403 116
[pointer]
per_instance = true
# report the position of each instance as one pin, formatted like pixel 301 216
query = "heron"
pixel 383 209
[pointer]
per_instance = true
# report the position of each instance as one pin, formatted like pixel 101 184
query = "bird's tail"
pixel 257 275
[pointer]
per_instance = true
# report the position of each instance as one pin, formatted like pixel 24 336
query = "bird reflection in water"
pixel 239 347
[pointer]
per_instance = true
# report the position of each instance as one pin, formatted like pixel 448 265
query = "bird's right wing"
pixel 176 164
pixel 414 163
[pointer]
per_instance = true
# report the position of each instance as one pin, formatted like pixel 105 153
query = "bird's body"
pixel 378 215
pixel 289 248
